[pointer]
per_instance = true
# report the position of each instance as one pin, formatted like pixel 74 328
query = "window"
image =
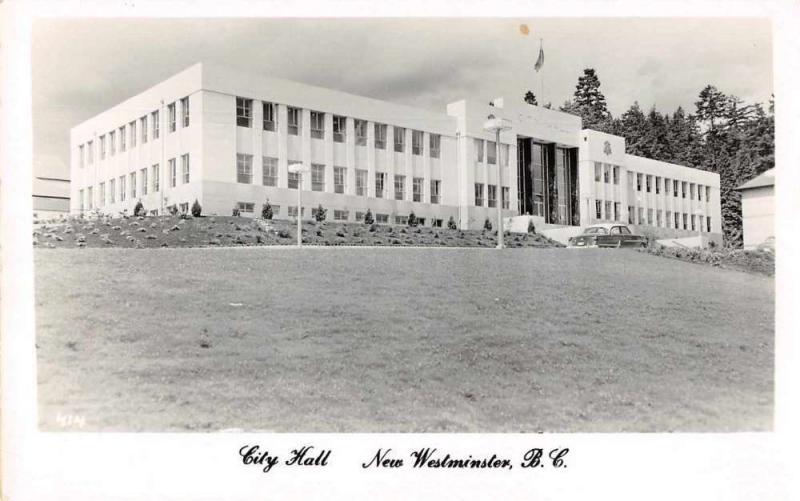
pixel 294 118
pixel 185 112
pixel 173 173
pixel 683 190
pixel 436 223
pixel 615 169
pixel 699 193
pixel 436 185
pixel 435 144
pixel 246 207
pixel 694 222
pixel 341 215
pixel 102 192
pixel 132 127
pixel 269 116
pixel 708 224
pixel 617 211
pixel 421 221
pixel 80 198
pixel 403 220
pixel 156 177
pixel 399 139
pixel 658 218
pixel 417 138
pixel 90 197
pixel 184 207
pixel 598 170
pixel 708 195
pixel 380 177
pixel 361 132
pixel 492 194
pixel 638 182
pixel 292 211
pixel 133 184
pixel 380 136
pixel 244 112
pixel 691 191
pixel 81 157
pixel 339 179
pixel 505 197
pixel 122 190
pixel 112 195
pixel 668 219
pixel 417 189
pixel 491 152
pixel 339 129
pixel 667 184
pixel 478 194
pixel 269 169
pixel 143 128
pixel 294 180
pixel 122 139
pixel 685 221
pixel 317 124
pixel 171 116
pixel 185 167
pixel 675 189
pixel 399 187
pixel 144 180
pixel 650 217
pixel 700 222
pixel 90 152
pixel 677 220
pixel 359 216
pixel 102 147
pixel 598 209
pixel 658 185
pixel 244 168
pixel 631 215
pixel 361 182
pixel 317 177
pixel 649 182
pixel 609 209
pixel 155 117
pixel 641 215
pixel 478 150
pixel 382 218
pixel 112 147
pixel 606 173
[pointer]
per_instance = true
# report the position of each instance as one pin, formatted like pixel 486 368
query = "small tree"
pixel 451 224
pixel 487 225
pixel 368 219
pixel 266 210
pixel 138 210
pixel 531 227
pixel 196 208
pixel 321 212
pixel 236 211
pixel 412 220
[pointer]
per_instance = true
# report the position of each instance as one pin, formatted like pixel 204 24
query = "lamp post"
pixel 299 169
pixel 496 125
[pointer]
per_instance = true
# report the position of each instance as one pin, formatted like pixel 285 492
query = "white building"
pixel 225 137
pixel 758 209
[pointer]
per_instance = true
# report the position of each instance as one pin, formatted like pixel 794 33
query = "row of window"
pixel 490 149
pixel 244 118
pixel 269 166
pixel 137 183
pixel 674 220
pixel 491 195
pixel 650 183
pixel 338 214
pixel 606 173
pixel 127 135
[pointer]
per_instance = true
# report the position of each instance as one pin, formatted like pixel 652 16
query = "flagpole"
pixel 541 75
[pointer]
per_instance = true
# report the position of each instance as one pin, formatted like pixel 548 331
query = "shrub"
pixel 284 234
pixel 321 213
pixel 412 220
pixel 196 208
pixel 368 219
pixel 451 224
pixel 266 210
pixel 487 225
pixel 236 211
pixel 138 210
pixel 531 227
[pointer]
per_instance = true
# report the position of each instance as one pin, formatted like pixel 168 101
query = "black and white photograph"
pixel 389 225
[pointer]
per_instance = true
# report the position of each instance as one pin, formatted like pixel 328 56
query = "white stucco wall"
pixel 758 215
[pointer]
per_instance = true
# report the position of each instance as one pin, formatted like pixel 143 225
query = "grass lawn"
pixel 384 340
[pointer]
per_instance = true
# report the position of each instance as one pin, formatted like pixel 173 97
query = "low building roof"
pixel 767 178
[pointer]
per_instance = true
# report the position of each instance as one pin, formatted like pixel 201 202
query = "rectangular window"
pixel 609 209
pixel 80 199
pixel 677 220
pixel 132 127
pixel 436 223
pixel 417 189
pixel 478 194
pixel 479 151
pixel 341 215
pixel 417 138
pixel 641 215
pixel 112 194
pixel 699 193
pixel 269 169
pixel 606 174
pixel 339 129
pixel 491 195
pixel 382 218
pixel 294 119
pixel 292 211
pixel 185 112
pixel 708 195
pixel 294 180
pixel 90 152
pixel 143 128
pixel 156 178
pixel 102 192
pixel 244 112
pixel 112 146
pixel 155 117
pixel 184 208
pixel 399 139
pixel 317 124
pixel 361 132
pixel 399 187
pixel 122 190
pixel 380 136
pixel 359 216
pixel 491 152
pixel 81 157
pixel 435 144
pixel 171 118
pixel 675 189
pixel 598 171
pixel 380 178
pixel 638 182
pixel 244 168
pixel 658 185
pixel 401 220
pixel 102 147
pixel 506 200
pixel 683 189
pixel 269 116
pixel 694 222
pixel 90 197
pixel 133 184
pixel 122 139
pixel 339 179
pixel 631 215
pixel 685 221
pixel 246 207
pixel 361 182
pixel 317 177
pixel 598 210
pixel 668 218
pixel 617 211
pixel 649 181
pixel 421 221
pixel 691 192
pixel 650 217
pixel 658 218
pixel 708 224
pixel 616 174
pixel 173 173
pixel 436 185
pixel 667 184
pixel 144 181
pixel 185 167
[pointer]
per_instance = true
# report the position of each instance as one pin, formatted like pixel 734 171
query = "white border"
pixel 206 466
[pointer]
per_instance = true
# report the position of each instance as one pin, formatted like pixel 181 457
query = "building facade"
pixel 758 209
pixel 226 138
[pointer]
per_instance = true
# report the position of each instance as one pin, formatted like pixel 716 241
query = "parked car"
pixel 608 235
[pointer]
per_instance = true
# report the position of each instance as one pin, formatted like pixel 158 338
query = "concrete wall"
pixel 758 215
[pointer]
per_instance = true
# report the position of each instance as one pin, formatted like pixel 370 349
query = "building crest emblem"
pixel 607 148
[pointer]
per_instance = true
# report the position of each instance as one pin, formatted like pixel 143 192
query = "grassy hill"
pixel 172 231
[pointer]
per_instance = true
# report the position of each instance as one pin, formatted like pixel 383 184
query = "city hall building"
pixel 226 138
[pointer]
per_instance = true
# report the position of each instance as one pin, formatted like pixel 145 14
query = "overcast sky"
pixel 82 67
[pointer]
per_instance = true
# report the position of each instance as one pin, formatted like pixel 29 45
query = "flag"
pixel 539 60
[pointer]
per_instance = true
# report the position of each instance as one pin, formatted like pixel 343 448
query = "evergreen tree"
pixel 196 208
pixel 632 126
pixel 266 210
pixel 530 98
pixel 589 103
pixel 412 220
pixel 451 224
pixel 320 214
pixel 368 219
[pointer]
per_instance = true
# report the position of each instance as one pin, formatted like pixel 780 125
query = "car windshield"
pixel 620 230
pixel 595 230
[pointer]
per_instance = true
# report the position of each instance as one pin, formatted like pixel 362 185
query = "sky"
pixel 83 66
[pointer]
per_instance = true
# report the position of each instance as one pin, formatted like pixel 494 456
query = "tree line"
pixel 723 135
